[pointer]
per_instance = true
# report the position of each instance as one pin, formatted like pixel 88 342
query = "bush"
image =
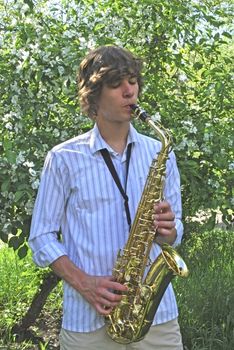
pixel 20 280
pixel 205 298
pixel 187 51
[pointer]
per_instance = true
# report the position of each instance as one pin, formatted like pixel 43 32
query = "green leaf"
pixel 5 185
pixel 7 144
pixel 14 242
pixel 4 237
pixel 22 251
pixel 219 87
pixel 217 36
pixel 19 195
pixel 227 35
pixel 11 156
pixel 29 3
pixel 197 65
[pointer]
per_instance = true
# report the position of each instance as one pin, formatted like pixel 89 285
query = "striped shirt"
pixel 78 196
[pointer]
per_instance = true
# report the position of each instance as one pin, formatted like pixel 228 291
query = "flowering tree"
pixel 186 47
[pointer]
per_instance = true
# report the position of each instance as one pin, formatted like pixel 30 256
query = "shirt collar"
pixel 97 142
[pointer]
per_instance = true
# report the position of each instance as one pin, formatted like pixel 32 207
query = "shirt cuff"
pixel 179 231
pixel 45 255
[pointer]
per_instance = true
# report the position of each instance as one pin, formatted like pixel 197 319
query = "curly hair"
pixel 104 65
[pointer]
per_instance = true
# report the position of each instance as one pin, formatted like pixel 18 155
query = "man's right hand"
pixel 99 291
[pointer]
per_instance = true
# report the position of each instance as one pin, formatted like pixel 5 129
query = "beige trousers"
pixel 165 336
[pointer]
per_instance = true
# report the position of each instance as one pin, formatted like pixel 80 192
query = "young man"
pixel 79 196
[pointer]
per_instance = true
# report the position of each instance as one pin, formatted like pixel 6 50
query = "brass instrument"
pixel 131 319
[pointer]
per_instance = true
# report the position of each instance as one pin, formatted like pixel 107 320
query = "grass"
pixel 205 298
pixel 19 281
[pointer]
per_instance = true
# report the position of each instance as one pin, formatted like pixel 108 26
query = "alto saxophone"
pixel 131 319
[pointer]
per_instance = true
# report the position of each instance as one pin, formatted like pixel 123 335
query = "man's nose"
pixel 128 89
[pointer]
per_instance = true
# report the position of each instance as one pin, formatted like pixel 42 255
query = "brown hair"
pixel 104 65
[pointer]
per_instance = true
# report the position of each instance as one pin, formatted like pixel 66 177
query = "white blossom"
pixel 6 117
pixel 68 34
pixel 5 227
pixel 29 164
pixel 64 135
pixel 48 72
pixel 14 99
pixel 33 62
pixel 190 126
pixel 181 145
pixel 156 117
pixel 66 51
pixel 13 22
pixel 20 158
pixel 56 132
pixel 18 127
pixel 61 70
pixel 35 184
pixel 9 126
pixel 182 77
pixel 14 87
pixel 29 207
pixel 24 8
pixel 213 183
pixel 32 172
pixel 207 136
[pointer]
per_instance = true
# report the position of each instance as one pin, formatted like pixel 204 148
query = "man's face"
pixel 115 100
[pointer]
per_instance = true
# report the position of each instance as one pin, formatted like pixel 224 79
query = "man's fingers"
pixel 164 224
pixel 162 206
pixel 170 216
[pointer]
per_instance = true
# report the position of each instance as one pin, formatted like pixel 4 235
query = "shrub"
pixel 205 298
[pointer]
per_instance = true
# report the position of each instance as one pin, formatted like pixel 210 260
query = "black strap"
pixel 110 165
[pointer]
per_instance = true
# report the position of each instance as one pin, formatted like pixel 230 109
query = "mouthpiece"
pixel 140 113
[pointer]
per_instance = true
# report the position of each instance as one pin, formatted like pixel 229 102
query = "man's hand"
pixel 164 223
pixel 99 292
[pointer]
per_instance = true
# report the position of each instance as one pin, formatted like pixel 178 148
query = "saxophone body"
pixel 131 319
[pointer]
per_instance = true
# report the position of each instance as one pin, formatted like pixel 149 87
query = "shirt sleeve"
pixel 48 212
pixel 172 193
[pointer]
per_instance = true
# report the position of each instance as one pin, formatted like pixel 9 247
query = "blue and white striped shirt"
pixel 78 195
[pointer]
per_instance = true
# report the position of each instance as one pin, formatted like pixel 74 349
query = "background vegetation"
pixel 187 48
pixel 205 299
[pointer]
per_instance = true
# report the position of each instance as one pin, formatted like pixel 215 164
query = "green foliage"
pixel 14 297
pixel 19 282
pixel 205 298
pixel 186 47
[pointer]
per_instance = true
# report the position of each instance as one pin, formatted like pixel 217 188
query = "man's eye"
pixel 132 80
pixel 114 84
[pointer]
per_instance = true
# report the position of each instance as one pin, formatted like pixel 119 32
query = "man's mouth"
pixel 128 106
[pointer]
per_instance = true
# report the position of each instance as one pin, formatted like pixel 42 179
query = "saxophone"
pixel 131 319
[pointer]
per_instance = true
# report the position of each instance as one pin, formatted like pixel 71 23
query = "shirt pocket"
pixel 93 189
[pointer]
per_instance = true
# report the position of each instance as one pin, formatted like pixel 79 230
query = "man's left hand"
pixel 164 223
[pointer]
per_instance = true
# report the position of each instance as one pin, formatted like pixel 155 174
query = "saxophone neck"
pixel 162 133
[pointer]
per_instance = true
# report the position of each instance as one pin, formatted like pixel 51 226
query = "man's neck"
pixel 115 135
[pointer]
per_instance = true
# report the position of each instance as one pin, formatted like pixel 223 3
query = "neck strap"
pixel 110 165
